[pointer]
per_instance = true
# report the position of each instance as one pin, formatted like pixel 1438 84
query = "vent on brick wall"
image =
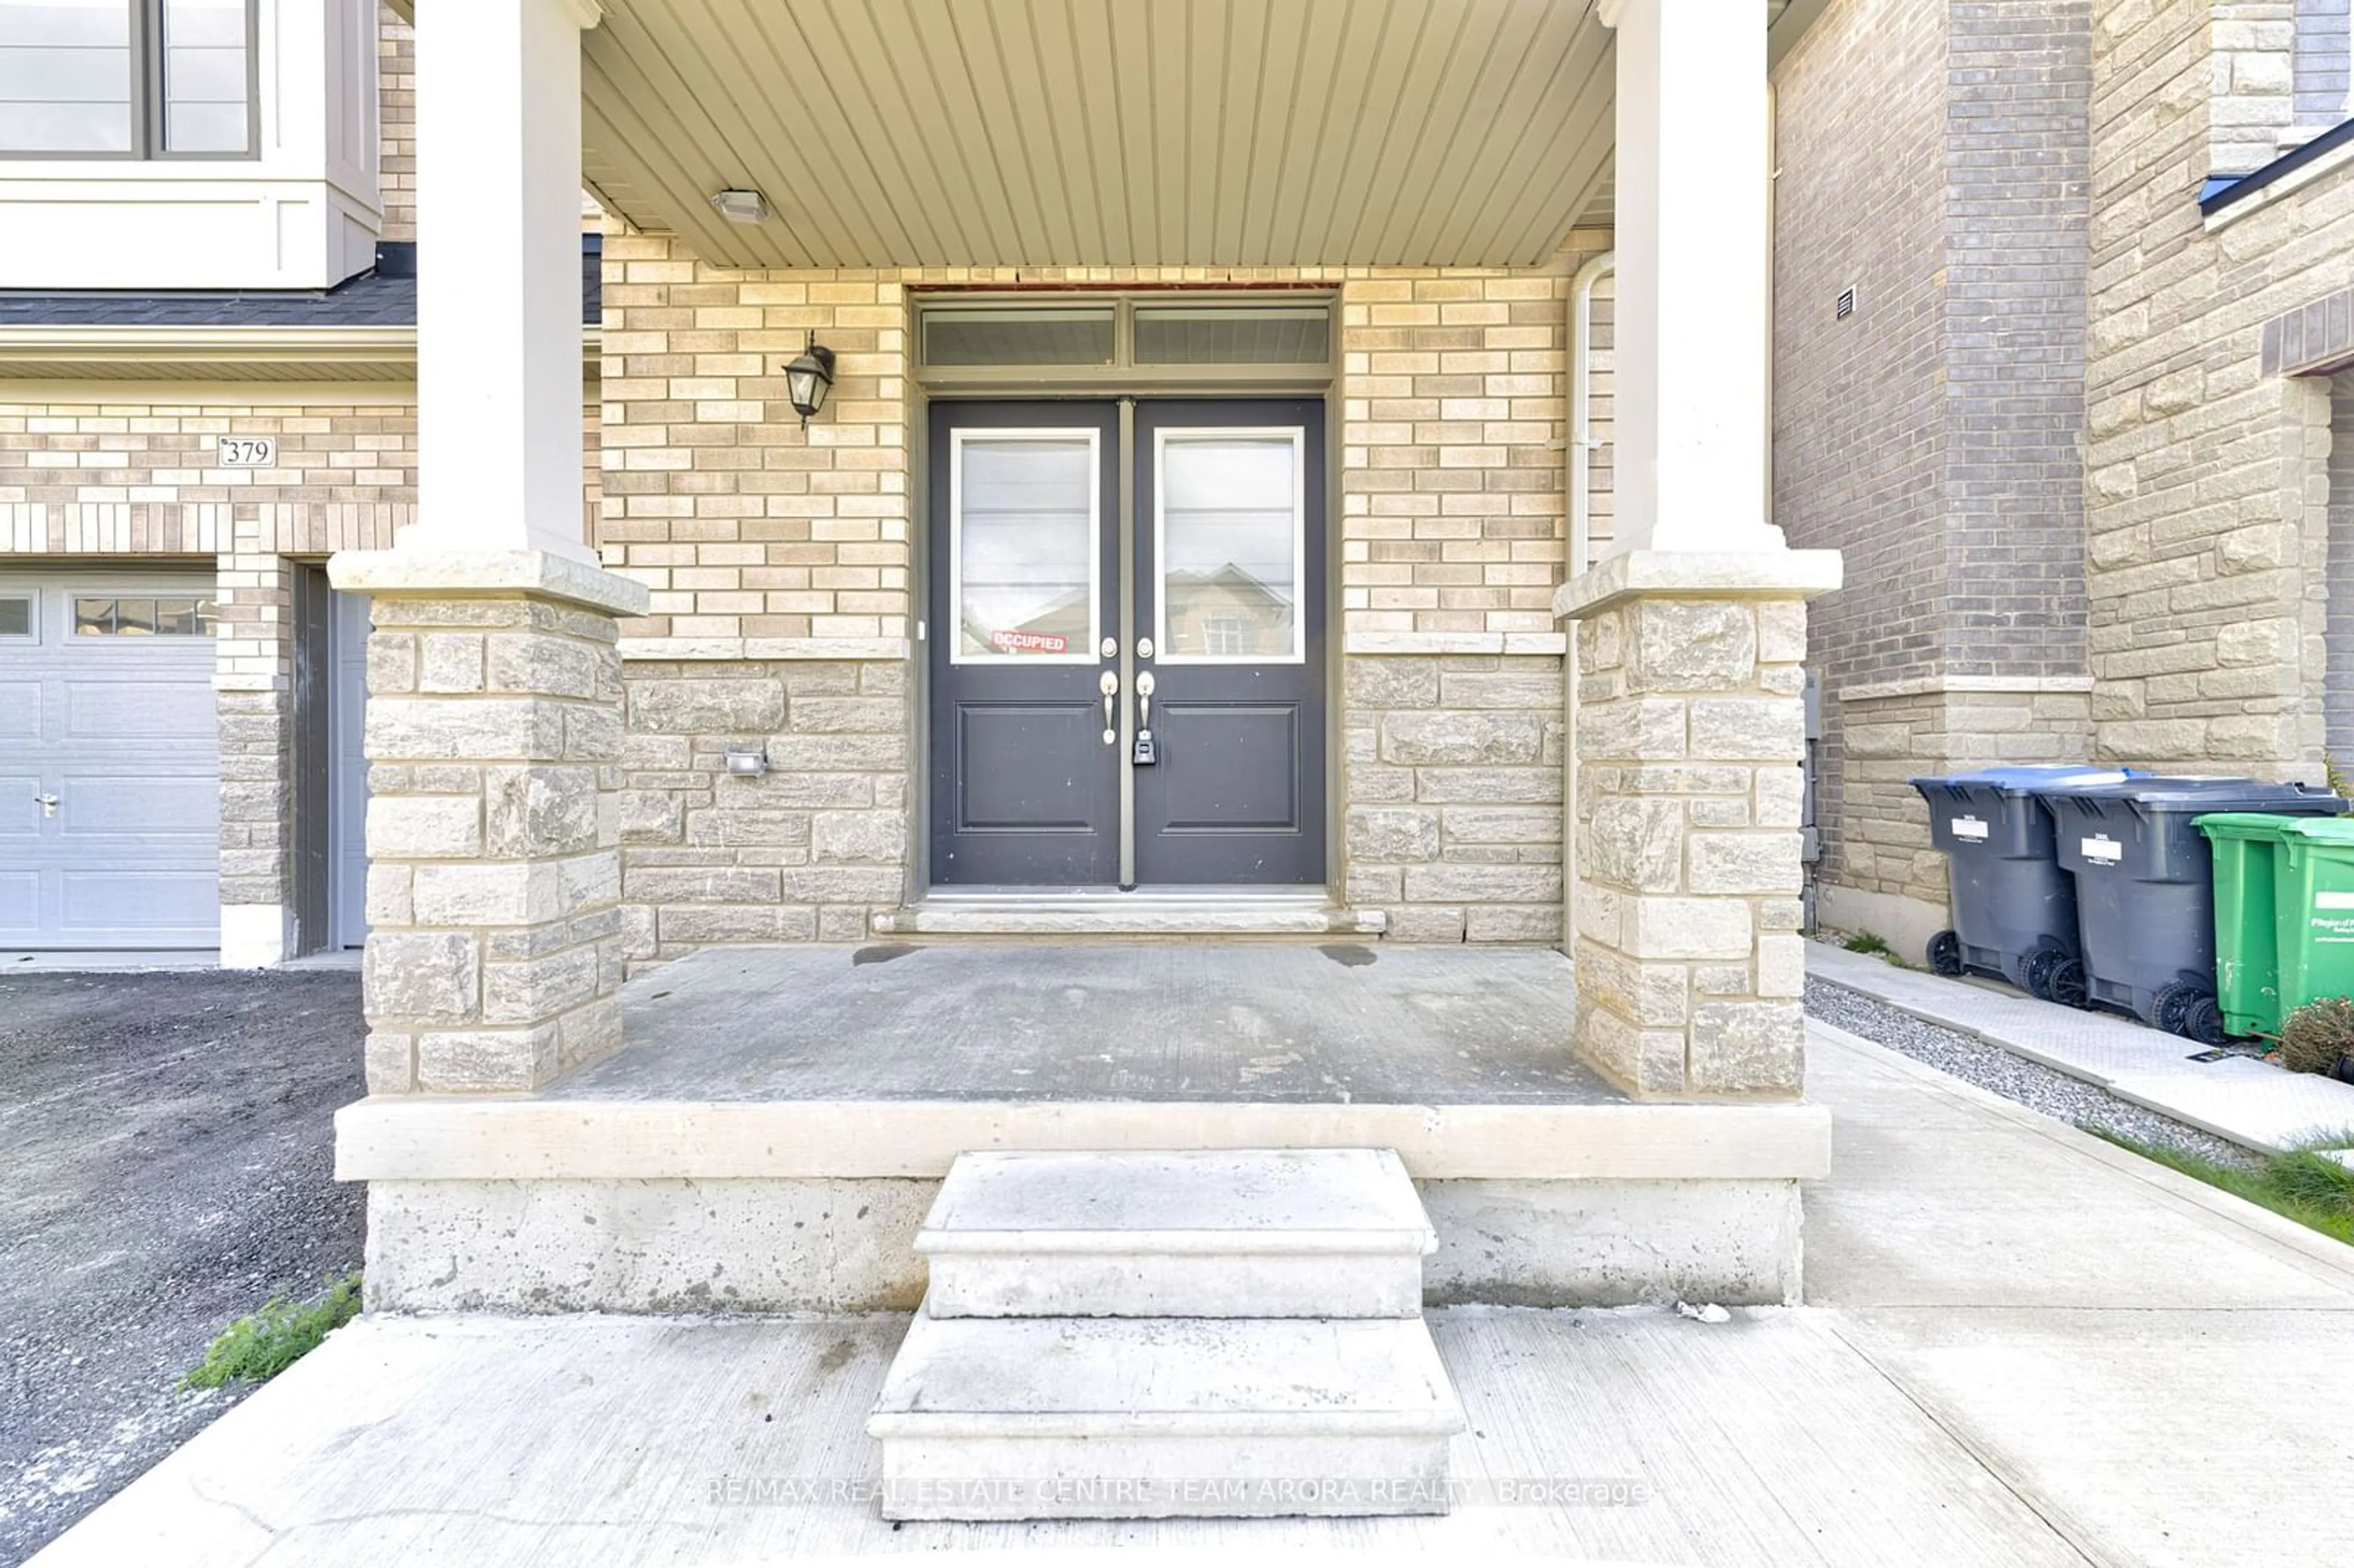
pixel 1844 306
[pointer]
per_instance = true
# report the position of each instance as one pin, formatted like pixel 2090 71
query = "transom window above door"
pixel 127 78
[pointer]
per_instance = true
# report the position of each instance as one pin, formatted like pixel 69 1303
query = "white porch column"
pixel 494 685
pixel 1689 346
pixel 498 284
pixel 1687 659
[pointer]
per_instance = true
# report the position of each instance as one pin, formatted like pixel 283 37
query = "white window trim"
pixel 1298 436
pixel 959 439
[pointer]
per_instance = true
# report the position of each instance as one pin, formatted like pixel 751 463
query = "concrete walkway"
pixel 2252 1103
pixel 2028 1349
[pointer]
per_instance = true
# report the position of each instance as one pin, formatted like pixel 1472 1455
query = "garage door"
pixel 110 763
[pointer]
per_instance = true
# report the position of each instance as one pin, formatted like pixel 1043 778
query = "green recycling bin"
pixel 2248 927
pixel 2313 904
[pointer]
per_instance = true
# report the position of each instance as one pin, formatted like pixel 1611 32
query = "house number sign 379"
pixel 249 452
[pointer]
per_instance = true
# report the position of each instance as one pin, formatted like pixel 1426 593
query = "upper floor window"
pixel 127 78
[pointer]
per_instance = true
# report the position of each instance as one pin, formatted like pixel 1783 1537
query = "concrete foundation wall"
pixel 834 1245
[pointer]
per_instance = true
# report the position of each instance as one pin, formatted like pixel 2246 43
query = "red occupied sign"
pixel 1028 642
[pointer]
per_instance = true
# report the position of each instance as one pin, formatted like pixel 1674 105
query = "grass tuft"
pixel 1867 942
pixel 261 1345
pixel 2311 1189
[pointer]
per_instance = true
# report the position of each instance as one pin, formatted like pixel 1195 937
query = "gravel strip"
pixel 2015 1078
pixel 169 1157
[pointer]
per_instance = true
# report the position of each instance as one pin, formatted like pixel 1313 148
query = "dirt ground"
pixel 166 1165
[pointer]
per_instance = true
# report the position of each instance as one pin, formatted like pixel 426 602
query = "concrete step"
pixel 1327 1233
pixel 1146 912
pixel 1012 1418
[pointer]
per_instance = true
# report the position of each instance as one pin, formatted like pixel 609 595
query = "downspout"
pixel 1581 552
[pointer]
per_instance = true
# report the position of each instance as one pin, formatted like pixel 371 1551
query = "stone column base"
pixel 494 739
pixel 1689 729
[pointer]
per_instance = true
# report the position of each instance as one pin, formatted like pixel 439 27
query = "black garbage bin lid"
pixel 2027 781
pixel 2203 793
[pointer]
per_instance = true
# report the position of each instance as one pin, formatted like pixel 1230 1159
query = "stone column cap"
pixel 485 574
pixel 1697 574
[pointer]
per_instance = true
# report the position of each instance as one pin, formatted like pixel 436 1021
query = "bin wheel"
pixel 2036 973
pixel 2203 1022
pixel 2172 1012
pixel 1946 953
pixel 2066 985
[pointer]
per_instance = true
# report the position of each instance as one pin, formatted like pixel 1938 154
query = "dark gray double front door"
pixel 1127 643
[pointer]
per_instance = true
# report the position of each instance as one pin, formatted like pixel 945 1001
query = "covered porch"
pixel 614 760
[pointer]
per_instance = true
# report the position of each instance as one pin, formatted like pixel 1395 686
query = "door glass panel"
pixel 1230 547
pixel 1023 548
pixel 15 618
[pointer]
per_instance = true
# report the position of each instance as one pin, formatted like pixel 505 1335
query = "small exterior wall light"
pixel 809 378
pixel 742 207
pixel 747 764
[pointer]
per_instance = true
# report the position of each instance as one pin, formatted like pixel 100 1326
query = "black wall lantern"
pixel 809 378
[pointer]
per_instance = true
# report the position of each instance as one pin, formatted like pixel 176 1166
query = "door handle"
pixel 1144 685
pixel 48 804
pixel 1109 684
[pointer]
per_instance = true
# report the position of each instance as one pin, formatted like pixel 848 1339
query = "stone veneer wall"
pixel 2337 649
pixel 2207 511
pixel 1934 159
pixel 778 562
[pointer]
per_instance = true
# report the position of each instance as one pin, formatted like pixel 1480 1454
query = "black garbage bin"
pixel 2014 909
pixel 2145 888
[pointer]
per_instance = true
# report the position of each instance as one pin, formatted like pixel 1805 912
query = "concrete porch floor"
pixel 1158 1022
pixel 2028 1348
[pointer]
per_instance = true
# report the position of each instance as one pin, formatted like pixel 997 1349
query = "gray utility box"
pixel 2145 892
pixel 2014 909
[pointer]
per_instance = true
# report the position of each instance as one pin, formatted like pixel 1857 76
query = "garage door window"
pixel 142 617
pixel 16 617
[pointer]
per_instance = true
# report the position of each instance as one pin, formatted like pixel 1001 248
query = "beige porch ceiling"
pixel 1105 132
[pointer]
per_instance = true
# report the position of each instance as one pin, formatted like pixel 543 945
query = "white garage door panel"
pixel 20 815
pixel 120 729
pixel 154 810
pixel 156 903
pixel 20 706
pixel 20 903
pixel 142 702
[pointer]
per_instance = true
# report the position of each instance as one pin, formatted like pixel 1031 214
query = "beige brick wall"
pixel 144 477
pixel 1895 737
pixel 395 56
pixel 762 542
pixel 2206 506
